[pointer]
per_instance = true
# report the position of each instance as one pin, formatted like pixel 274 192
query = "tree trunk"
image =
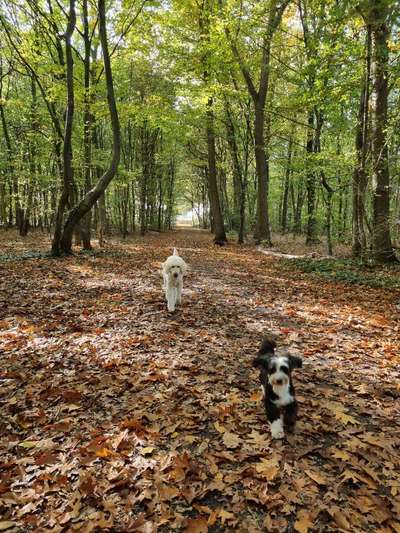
pixel 218 223
pixel 102 220
pixel 259 95
pixel 360 178
pixel 84 206
pixel 262 231
pixel 285 198
pixel 311 235
pixel 87 127
pixel 26 214
pixel 67 190
pixel 382 243
pixel 217 226
pixel 239 180
pixel 14 192
pixel 144 178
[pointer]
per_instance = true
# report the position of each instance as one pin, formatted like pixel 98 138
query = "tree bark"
pixel 311 235
pixel 76 214
pixel 67 190
pixel 14 192
pixel 239 179
pixel 262 231
pixel 382 243
pixel 218 227
pixel 360 178
pixel 285 198
pixel 87 126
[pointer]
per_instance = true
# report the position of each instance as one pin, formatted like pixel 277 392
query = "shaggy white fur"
pixel 173 270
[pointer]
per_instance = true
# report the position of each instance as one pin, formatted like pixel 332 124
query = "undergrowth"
pixel 347 271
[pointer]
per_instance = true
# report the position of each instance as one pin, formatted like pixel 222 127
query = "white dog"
pixel 173 270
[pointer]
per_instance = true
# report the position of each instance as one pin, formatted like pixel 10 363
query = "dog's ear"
pixel 295 361
pixel 268 345
pixel 261 361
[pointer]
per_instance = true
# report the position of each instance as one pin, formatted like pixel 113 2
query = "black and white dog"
pixel 277 387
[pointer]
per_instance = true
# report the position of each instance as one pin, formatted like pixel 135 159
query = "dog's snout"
pixel 175 274
pixel 279 381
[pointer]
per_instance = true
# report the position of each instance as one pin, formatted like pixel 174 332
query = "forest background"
pixel 256 117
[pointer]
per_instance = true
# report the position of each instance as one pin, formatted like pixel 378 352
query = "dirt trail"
pixel 118 416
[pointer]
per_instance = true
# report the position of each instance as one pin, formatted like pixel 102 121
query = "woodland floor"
pixel 118 416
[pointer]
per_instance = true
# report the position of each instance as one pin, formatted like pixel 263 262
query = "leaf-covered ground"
pixel 118 416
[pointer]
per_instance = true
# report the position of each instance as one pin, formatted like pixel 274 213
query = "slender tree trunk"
pixel 102 220
pixel 133 211
pixel 144 178
pixel 67 191
pixel 217 226
pixel 360 178
pixel 84 206
pixel 239 181
pixel 26 215
pixel 311 237
pixel 262 231
pixel 87 127
pixel 218 223
pixel 14 189
pixel 285 199
pixel 297 206
pixel 382 243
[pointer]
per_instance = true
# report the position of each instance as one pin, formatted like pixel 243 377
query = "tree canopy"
pixel 255 117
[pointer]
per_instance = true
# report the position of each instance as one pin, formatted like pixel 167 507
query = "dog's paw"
pixel 277 431
pixel 278 434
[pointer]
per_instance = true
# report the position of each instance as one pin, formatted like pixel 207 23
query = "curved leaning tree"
pixel 62 241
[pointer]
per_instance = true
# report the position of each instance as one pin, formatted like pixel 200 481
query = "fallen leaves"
pixel 117 416
pixel 268 468
pixel 231 440
pixel 196 525
pixel 316 476
pixel 303 521
pixel 6 524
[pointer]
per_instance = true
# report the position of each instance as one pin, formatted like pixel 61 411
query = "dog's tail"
pixel 268 345
pixel 175 252
pixel 267 349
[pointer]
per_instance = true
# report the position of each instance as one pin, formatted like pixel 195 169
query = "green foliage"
pixel 346 271
pixel 168 60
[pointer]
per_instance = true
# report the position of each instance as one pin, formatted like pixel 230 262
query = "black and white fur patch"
pixel 277 386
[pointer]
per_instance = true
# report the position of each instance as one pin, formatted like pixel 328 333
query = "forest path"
pixel 119 416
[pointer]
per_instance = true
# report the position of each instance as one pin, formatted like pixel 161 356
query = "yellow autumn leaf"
pixel 339 412
pixel 225 515
pixel 256 396
pixel 268 468
pixel 219 427
pixel 104 452
pixel 315 476
pixel 28 444
pixel 231 440
pixel 303 522
pixel 6 524
pixel 339 517
pixel 340 454
pixel 147 451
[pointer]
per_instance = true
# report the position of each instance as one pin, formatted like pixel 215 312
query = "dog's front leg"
pixel 290 416
pixel 179 292
pixel 171 298
pixel 275 419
